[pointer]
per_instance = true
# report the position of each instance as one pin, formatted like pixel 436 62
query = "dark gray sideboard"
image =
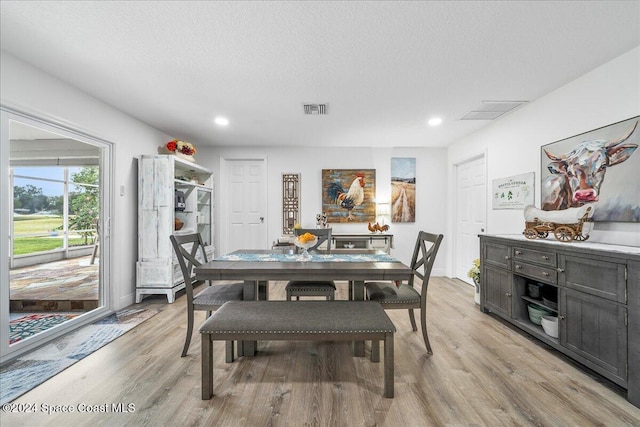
pixel 593 289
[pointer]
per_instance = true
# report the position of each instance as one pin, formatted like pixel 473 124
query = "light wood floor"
pixel 482 373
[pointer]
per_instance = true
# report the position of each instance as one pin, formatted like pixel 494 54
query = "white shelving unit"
pixel 159 177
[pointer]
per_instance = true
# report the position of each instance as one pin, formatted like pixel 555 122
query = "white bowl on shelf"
pixel 550 325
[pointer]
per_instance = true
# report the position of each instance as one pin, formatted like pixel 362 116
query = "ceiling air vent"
pixel 491 110
pixel 315 109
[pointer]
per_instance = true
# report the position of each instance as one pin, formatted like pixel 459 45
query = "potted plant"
pixel 474 274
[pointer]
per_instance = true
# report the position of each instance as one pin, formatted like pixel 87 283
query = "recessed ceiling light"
pixel 434 121
pixel 221 121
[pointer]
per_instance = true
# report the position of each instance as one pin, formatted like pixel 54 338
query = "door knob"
pixel 261 219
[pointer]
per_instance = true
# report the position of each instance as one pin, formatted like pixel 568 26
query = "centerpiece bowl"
pixel 305 242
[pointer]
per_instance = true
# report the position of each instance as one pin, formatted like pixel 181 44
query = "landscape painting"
pixel 348 195
pixel 600 168
pixel 403 189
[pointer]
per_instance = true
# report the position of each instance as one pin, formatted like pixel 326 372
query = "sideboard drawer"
pixel 548 275
pixel 498 255
pixel 538 257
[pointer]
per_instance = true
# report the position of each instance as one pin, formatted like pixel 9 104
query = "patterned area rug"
pixel 26 326
pixel 34 368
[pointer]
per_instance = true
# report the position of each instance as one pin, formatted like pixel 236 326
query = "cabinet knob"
pixel 561 317
pixel 518 252
pixel 508 294
pixel 507 257
pixel 518 267
pixel 560 270
pixel 544 257
pixel 544 273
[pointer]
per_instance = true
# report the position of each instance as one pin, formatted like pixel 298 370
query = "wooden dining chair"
pixel 405 295
pixel 189 250
pixel 306 288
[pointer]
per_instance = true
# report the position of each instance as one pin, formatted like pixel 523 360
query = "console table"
pixel 351 242
pixel 379 241
pixel 597 289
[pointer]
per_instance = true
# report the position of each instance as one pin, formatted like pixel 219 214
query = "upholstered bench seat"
pixel 299 321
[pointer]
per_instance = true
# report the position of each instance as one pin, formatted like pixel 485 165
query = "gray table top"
pixel 301 270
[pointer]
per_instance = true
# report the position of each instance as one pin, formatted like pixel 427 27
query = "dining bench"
pixel 296 321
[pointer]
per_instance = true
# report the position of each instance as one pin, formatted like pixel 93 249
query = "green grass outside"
pixel 31 224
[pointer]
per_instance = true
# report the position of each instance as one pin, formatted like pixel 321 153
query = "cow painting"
pixel 577 176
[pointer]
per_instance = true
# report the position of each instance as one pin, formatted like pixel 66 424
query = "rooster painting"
pixel 340 203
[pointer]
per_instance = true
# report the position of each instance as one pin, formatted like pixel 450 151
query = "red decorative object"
pixel 177 146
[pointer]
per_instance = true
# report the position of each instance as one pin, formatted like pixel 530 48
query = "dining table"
pixel 259 267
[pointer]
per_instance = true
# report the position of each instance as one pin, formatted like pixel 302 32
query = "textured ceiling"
pixel 383 68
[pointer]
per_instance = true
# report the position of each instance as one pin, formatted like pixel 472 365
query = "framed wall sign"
pixel 513 192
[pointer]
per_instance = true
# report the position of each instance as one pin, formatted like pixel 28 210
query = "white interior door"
pixel 245 191
pixel 470 214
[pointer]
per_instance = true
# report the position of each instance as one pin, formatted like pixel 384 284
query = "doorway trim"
pixel 457 190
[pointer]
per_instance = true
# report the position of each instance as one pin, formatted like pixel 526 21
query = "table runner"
pixel 382 257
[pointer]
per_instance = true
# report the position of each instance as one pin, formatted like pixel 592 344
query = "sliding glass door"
pixel 55 183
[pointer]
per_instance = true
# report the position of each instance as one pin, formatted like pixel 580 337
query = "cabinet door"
pixel 496 287
pixel 595 329
pixel 601 277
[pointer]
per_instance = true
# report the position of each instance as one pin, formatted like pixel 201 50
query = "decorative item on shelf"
pixel 184 150
pixel 384 213
pixel 321 220
pixel 180 203
pixel 377 227
pixel 535 290
pixel 177 224
pixel 474 274
pixel 536 312
pixel 566 225
pixel 550 325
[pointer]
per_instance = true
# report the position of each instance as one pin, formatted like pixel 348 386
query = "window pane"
pixel 85 175
pixel 83 214
pixel 47 172
pixel 37 217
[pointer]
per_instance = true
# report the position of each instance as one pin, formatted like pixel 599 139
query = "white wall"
pixel 31 91
pixel 431 194
pixel 606 95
